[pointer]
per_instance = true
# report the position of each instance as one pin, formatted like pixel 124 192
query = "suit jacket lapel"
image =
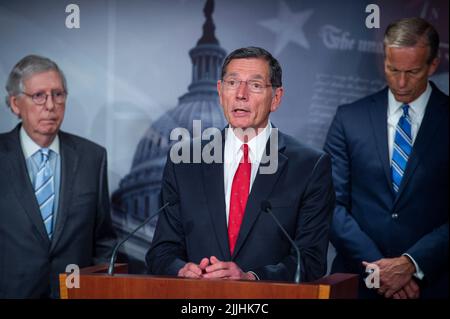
pixel 213 180
pixel 21 183
pixel 432 119
pixel 378 116
pixel 261 189
pixel 69 164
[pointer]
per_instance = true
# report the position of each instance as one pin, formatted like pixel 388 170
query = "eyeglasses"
pixel 40 98
pixel 254 86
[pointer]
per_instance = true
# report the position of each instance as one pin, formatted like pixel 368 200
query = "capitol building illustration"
pixel 138 194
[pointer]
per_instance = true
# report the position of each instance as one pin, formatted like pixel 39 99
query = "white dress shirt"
pixel 29 147
pixel 233 154
pixel 416 112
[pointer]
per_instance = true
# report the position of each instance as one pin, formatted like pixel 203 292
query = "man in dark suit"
pixel 390 169
pixel 54 203
pixel 218 229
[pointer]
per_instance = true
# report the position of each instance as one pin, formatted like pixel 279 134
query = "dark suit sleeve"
pixel 105 238
pixel 312 232
pixel 431 252
pixel 167 253
pixel 346 235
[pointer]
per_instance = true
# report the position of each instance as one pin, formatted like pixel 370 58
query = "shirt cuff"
pixel 254 274
pixel 419 273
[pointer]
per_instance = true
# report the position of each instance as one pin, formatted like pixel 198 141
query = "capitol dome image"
pixel 138 194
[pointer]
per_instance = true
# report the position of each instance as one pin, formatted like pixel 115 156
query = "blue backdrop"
pixel 128 64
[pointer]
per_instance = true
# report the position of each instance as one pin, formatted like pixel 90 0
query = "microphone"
pixel 170 202
pixel 267 207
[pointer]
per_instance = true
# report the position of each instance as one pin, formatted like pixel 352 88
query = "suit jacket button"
pixel 394 216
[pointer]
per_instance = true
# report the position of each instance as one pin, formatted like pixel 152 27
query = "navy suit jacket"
pixel 371 222
pixel 83 235
pixel 302 197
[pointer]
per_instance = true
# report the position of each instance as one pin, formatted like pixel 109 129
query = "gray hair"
pixel 409 32
pixel 275 71
pixel 26 67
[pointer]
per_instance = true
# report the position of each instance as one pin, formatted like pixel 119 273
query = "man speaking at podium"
pixel 54 202
pixel 218 228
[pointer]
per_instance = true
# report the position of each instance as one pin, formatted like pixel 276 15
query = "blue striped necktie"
pixel 44 190
pixel 402 148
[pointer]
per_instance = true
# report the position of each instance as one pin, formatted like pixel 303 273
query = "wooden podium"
pixel 95 283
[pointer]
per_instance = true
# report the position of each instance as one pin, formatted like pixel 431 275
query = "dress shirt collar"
pixel 256 145
pixel 30 147
pixel 416 107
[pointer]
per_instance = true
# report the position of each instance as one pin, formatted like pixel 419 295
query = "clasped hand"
pixel 214 268
pixel 396 276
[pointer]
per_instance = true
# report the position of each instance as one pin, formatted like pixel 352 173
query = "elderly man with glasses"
pixel 54 202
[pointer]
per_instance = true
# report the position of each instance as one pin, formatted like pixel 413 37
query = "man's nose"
pixel 242 91
pixel 49 103
pixel 402 80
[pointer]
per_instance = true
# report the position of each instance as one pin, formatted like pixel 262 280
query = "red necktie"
pixel 238 199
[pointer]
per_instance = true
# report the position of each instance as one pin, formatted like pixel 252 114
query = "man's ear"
pixel 14 106
pixel 219 86
pixel 276 99
pixel 433 66
pixel 219 91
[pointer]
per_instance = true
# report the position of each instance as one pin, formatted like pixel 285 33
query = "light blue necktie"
pixel 44 190
pixel 402 148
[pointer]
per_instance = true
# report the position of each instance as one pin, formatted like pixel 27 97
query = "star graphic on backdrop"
pixel 288 27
